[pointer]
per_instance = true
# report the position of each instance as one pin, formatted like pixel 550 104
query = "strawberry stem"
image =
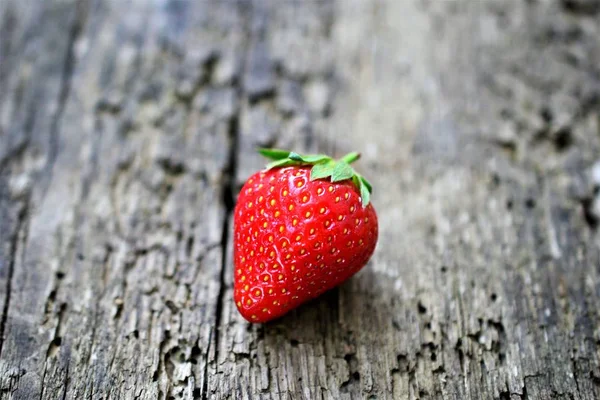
pixel 350 157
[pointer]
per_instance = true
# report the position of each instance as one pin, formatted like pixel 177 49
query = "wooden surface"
pixel 127 127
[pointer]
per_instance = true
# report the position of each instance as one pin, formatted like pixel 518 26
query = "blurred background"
pixel 128 127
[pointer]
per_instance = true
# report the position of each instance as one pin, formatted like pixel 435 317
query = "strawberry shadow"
pixel 311 322
pixel 332 316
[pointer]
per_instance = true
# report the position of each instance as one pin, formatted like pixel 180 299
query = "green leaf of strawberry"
pixel 309 159
pixel 341 172
pixel 274 154
pixel 322 170
pixel 301 227
pixel 281 163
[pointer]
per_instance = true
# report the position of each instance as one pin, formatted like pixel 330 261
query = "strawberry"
pixel 301 227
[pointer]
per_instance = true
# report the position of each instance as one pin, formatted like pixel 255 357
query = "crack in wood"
pixel 228 200
pixel 66 384
pixel 21 226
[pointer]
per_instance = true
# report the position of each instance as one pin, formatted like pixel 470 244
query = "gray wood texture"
pixel 127 128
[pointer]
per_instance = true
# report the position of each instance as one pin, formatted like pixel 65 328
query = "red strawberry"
pixel 302 226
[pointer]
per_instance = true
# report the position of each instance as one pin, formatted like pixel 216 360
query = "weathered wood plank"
pixel 126 129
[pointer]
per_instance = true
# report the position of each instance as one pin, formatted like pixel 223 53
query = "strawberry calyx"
pixel 323 167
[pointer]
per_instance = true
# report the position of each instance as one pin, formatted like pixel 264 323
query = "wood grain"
pixel 127 128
